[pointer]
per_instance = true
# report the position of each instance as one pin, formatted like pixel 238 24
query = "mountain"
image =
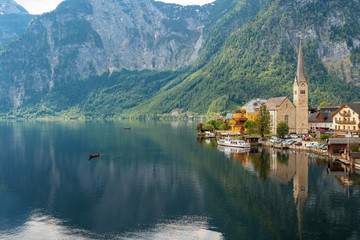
pixel 84 38
pixel 13 21
pixel 11 7
pixel 259 60
pixel 107 58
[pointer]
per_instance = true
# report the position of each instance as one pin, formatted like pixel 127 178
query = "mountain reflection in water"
pixel 158 181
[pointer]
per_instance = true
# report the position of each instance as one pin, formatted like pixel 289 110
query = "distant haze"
pixel 42 6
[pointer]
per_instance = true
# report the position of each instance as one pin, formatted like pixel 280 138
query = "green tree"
pixel 208 127
pixel 322 104
pixel 263 122
pixel 282 129
pixel 250 126
pixel 324 136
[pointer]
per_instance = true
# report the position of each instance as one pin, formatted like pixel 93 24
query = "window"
pixel 251 116
pixel 354 128
pixel 335 127
pixel 287 119
pixel 295 92
pixel 302 92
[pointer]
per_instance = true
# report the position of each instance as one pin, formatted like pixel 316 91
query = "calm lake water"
pixel 158 181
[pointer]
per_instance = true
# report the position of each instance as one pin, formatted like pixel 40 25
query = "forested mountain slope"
pixel 235 50
pixel 259 59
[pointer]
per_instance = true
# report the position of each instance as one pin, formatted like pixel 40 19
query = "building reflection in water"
pixel 278 166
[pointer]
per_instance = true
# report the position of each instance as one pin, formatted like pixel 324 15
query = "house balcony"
pixel 345 131
pixel 345 122
pixel 345 114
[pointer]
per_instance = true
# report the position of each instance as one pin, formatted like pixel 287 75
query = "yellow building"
pixel 253 107
pixel 237 123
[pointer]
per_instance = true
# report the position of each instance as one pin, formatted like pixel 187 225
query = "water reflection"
pixel 42 226
pixel 138 181
pixel 158 181
pixel 293 168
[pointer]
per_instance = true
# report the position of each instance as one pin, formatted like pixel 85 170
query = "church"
pixel 295 113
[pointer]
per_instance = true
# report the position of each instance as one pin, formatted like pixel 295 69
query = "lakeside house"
pixel 237 123
pixel 253 108
pixel 338 146
pixel 347 118
pixel 321 118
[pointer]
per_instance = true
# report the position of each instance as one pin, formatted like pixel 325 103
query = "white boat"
pixel 233 142
pixel 209 134
pixel 231 150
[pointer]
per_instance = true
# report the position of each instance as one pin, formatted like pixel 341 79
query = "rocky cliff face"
pixel 13 21
pixel 11 7
pixel 82 38
pixel 336 29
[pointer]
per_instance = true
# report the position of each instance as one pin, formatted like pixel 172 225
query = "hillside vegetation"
pixel 250 51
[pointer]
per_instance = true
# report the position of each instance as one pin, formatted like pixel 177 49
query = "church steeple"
pixel 301 96
pixel 300 73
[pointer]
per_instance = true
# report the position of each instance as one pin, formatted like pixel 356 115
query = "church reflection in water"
pixel 280 166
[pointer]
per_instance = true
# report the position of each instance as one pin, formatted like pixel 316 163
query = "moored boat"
pixel 233 142
pixel 209 134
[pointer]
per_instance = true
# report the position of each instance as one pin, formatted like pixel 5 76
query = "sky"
pixel 42 6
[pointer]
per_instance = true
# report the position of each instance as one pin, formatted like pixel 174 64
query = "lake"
pixel 159 181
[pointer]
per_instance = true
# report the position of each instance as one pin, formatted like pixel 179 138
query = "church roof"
pixel 272 103
pixel 300 73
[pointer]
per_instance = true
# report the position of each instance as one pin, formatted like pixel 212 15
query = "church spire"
pixel 300 73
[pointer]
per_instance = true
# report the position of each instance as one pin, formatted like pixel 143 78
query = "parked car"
pixel 320 146
pixel 294 136
pixel 325 147
pixel 306 138
pixel 298 144
pixel 311 144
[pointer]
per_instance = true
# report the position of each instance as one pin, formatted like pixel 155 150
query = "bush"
pixel 199 128
pixel 215 125
pixel 324 136
pixel 354 147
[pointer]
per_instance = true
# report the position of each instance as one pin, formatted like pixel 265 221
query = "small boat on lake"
pixel 96 155
pixel 128 128
pixel 233 142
